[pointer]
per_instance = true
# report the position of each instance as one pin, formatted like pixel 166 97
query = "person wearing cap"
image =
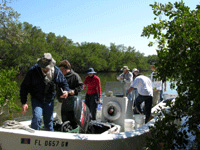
pixel 41 81
pixel 135 72
pixel 93 94
pixel 127 78
pixel 76 85
pixel 145 90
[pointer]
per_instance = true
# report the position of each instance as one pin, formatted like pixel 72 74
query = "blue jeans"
pixel 130 95
pixel 134 94
pixel 40 109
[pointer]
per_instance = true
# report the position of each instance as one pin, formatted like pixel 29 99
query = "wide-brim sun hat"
pixel 125 68
pixel 90 70
pixel 46 61
pixel 135 70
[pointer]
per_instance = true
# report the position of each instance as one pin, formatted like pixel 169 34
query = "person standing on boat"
pixel 135 72
pixel 154 78
pixel 40 81
pixel 157 86
pixel 145 91
pixel 127 78
pixel 93 94
pixel 76 85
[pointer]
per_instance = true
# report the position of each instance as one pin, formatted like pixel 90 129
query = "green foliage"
pixel 152 59
pixel 178 60
pixel 22 43
pixel 9 91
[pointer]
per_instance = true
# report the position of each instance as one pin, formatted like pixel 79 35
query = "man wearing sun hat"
pixel 127 78
pixel 93 94
pixel 40 81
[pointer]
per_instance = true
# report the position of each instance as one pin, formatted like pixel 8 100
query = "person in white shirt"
pixel 145 91
pixel 157 86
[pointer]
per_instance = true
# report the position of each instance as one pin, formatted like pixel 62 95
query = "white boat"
pixel 118 136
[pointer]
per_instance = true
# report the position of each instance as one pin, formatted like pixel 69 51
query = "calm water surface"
pixel 104 77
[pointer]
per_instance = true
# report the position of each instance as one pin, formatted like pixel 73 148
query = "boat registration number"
pixel 51 143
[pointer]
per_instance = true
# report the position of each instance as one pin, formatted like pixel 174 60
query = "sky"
pixel 101 21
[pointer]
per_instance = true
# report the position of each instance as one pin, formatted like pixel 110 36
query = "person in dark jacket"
pixel 40 81
pixel 76 85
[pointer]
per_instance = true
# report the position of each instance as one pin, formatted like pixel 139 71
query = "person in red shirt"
pixel 93 94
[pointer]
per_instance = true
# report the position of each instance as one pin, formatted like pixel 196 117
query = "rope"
pixel 12 124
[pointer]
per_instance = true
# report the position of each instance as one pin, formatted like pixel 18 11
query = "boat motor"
pixel 82 114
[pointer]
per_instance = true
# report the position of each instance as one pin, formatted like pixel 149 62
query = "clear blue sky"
pixel 102 21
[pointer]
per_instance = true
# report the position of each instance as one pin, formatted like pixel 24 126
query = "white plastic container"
pixel 129 124
pixel 139 120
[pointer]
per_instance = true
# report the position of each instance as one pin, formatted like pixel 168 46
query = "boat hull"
pixel 18 139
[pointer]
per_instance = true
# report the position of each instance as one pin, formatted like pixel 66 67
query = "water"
pixel 169 90
pixel 104 77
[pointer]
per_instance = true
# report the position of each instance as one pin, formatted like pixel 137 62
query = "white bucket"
pixel 129 124
pixel 139 120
